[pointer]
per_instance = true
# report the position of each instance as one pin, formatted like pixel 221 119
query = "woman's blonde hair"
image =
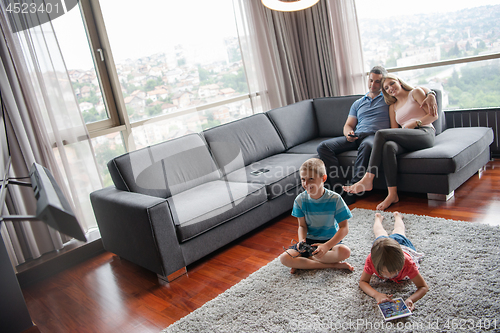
pixel 389 100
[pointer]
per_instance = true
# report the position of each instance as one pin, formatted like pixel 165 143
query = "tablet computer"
pixel 394 310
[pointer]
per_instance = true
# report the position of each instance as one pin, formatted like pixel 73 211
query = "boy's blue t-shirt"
pixel 322 215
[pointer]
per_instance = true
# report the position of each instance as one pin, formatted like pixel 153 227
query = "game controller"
pixel 305 250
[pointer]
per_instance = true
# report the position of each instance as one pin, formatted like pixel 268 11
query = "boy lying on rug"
pixel 322 216
pixel 393 258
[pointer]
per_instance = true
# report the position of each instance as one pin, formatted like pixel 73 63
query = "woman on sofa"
pixel 416 133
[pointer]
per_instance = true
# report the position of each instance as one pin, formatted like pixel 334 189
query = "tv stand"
pixel 14 315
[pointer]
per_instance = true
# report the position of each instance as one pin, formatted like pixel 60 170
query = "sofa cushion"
pixel 242 142
pixel 331 113
pixel 165 169
pixel 210 204
pixel 296 123
pixel 282 177
pixel 309 147
pixel 453 149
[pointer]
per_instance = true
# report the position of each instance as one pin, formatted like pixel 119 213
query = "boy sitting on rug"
pixel 322 216
pixel 393 258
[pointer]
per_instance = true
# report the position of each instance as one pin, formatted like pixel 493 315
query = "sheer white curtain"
pixel 307 54
pixel 45 126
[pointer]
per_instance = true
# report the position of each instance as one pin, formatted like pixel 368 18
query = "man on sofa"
pixel 366 116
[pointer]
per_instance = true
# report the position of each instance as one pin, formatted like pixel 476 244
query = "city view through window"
pixel 404 34
pixel 160 73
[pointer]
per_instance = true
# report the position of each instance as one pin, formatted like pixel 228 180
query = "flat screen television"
pixel 52 206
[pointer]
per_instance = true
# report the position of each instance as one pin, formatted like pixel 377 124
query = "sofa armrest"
pixel 138 228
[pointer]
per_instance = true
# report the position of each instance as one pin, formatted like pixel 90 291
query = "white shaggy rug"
pixel 461 267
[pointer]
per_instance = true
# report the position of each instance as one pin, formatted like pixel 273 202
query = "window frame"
pixel 445 62
pixel 101 59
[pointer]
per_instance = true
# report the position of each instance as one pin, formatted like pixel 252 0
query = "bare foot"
pixel 397 214
pixel 363 185
pixel 293 270
pixel 379 216
pixel 344 265
pixel 389 200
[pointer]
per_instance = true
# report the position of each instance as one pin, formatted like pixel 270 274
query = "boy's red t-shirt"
pixel 409 271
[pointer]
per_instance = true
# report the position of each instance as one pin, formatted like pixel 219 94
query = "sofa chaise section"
pixel 457 154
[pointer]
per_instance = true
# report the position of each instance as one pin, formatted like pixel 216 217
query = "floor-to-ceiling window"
pixel 453 46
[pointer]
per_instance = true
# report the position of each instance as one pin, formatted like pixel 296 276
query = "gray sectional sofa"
pixel 175 202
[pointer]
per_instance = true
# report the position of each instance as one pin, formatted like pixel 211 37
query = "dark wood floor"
pixel 107 294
